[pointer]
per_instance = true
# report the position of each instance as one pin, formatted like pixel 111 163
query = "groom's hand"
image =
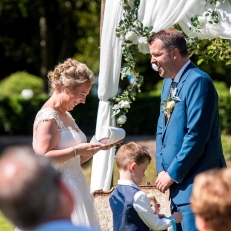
pixel 163 181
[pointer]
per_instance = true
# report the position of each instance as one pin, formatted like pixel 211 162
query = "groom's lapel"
pixel 183 78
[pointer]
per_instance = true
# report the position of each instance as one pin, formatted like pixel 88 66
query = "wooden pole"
pixel 103 2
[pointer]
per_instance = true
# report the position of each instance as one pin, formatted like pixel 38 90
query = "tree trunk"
pixel 103 2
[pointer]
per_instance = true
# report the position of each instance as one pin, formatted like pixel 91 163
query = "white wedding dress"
pixel 84 213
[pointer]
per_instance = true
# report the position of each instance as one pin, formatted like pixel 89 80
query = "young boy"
pixel 130 206
pixel 155 206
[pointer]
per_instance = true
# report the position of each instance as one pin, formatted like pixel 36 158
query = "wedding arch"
pixel 200 19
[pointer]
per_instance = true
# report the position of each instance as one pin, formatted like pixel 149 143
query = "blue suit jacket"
pixel 190 143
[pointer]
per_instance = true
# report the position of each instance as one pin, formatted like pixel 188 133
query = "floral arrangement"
pixel 209 16
pixel 134 37
pixel 168 106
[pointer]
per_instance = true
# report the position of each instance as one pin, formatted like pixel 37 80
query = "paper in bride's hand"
pixel 108 135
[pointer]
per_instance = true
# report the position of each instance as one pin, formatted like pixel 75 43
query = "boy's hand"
pixel 177 216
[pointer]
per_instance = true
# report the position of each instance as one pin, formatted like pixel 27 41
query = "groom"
pixel 188 140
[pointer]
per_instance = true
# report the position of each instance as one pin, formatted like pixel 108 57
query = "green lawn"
pixel 4 224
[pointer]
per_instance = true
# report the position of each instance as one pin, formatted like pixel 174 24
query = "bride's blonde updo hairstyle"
pixel 70 73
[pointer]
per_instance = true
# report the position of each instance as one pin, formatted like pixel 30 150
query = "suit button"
pixel 163 145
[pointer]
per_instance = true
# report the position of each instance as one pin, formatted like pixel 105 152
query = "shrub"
pixel 226 145
pixel 224 107
pixel 17 114
pixel 15 83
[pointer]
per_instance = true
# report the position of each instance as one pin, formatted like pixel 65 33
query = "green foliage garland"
pixel 134 37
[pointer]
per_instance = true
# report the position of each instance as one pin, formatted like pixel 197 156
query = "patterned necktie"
pixel 173 89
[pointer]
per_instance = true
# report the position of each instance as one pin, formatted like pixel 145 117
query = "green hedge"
pixel 17 114
pixel 16 82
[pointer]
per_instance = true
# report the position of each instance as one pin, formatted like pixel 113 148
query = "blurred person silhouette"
pixel 211 200
pixel 56 135
pixel 32 194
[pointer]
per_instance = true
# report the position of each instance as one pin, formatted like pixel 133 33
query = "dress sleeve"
pixel 47 114
pixel 142 206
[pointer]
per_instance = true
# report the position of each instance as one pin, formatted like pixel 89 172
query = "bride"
pixel 56 135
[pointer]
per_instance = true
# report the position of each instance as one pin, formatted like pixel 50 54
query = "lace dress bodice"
pixel 84 212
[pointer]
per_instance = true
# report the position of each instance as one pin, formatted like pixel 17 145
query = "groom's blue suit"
pixel 190 143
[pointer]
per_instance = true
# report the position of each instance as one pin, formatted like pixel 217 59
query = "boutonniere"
pixel 168 106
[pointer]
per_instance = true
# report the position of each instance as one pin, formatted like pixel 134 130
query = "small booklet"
pixel 109 135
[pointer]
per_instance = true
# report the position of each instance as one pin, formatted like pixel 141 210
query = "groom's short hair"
pixel 131 152
pixel 29 191
pixel 171 39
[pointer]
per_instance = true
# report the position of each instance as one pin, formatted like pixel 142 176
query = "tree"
pixel 36 35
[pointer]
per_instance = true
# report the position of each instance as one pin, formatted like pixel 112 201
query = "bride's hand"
pixel 87 149
pixel 106 147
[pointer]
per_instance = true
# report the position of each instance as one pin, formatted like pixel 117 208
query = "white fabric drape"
pixel 161 14
pixel 109 75
pixel 209 31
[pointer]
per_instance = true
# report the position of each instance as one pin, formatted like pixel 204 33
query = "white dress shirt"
pixel 178 75
pixel 143 207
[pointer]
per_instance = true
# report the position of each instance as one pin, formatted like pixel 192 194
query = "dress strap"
pixel 46 114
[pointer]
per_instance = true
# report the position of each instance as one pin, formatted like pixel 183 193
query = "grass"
pixel 150 173
pixel 226 145
pixel 5 224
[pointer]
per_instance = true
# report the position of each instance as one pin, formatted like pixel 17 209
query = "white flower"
pixel 121 119
pixel 202 20
pixel 136 23
pixel 131 36
pixel 124 104
pixel 143 45
pixel 170 105
pixel 27 93
pixel 116 106
pixel 218 3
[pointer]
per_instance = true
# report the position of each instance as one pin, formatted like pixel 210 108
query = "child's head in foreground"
pixel 132 160
pixel 211 200
pixel 154 204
